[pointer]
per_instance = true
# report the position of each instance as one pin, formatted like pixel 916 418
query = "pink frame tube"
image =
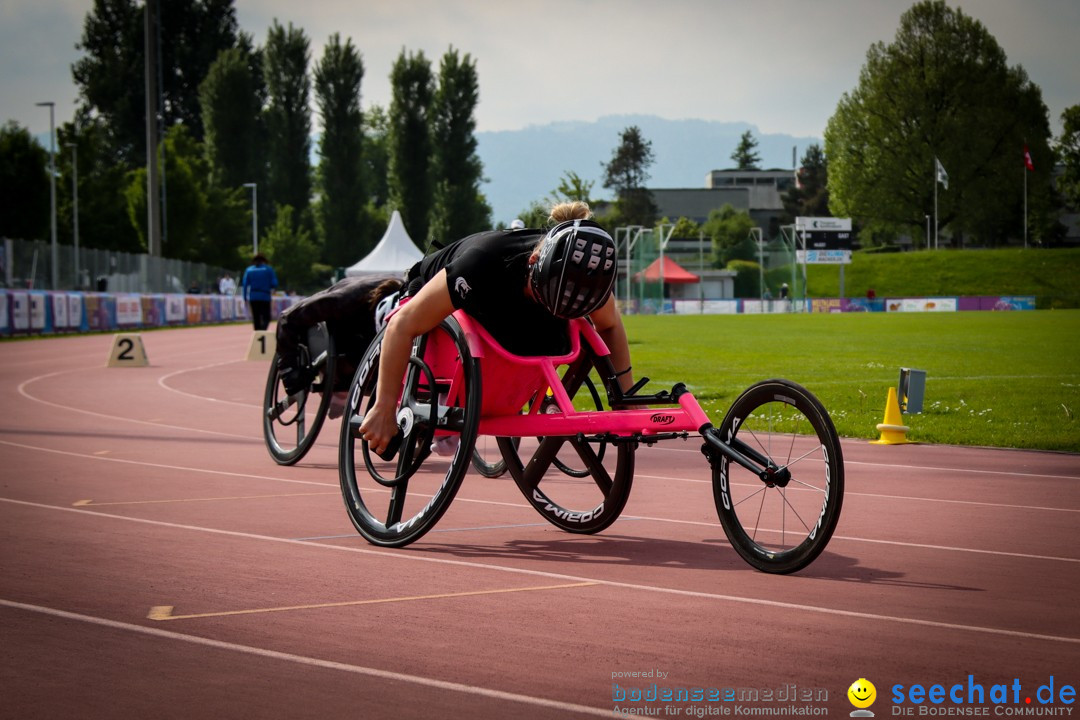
pixel 506 375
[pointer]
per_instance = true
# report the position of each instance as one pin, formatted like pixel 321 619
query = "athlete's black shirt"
pixel 486 275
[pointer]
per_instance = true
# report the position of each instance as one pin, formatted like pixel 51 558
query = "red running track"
pixel 157 563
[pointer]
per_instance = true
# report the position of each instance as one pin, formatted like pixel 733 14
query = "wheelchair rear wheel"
pixel 291 423
pixel 393 503
pixel 589 500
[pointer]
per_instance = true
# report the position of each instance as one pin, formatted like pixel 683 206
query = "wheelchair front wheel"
pixel 397 511
pixel 780 525
pixel 291 423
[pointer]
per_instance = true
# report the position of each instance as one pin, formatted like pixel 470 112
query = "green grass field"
pixel 1049 275
pixel 993 379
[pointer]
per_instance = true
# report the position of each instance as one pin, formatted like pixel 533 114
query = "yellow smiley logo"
pixel 862 693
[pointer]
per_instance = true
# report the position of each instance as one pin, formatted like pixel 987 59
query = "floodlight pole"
pixel 663 243
pixel 701 265
pixel 75 204
pixel 153 185
pixel 629 246
pixel 935 208
pixel 52 192
pixel 254 217
pixel 758 236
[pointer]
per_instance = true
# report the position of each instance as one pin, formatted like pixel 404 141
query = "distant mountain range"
pixel 527 165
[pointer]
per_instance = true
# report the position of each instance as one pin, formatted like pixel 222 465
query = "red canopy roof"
pixel 673 272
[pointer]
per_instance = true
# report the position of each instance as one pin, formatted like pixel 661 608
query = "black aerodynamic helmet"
pixel 576 269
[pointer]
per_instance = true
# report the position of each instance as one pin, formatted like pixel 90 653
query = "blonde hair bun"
pixel 575 210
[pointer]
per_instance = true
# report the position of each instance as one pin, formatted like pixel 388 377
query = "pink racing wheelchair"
pixel 776 465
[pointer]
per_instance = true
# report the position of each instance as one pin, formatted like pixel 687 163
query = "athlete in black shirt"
pixel 522 285
pixel 485 275
pixel 347 308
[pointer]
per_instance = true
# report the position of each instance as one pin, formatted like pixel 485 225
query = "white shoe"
pixel 446 446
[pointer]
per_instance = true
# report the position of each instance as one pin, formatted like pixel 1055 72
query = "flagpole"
pixel 935 202
pixel 1025 171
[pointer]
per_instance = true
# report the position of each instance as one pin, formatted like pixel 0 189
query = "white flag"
pixel 942 176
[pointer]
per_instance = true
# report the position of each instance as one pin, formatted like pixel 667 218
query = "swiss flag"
pixel 1027 159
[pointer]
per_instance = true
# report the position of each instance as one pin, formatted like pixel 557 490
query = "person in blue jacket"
pixel 258 286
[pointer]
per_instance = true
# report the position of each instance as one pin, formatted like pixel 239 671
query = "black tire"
pixel 602 494
pixel 565 464
pixel 291 424
pixel 489 462
pixel 415 488
pixel 487 456
pixel 782 526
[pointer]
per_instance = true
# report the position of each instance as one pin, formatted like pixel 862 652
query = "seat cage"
pixel 514 388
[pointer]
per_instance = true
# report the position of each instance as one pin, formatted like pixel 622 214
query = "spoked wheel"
pixel 576 504
pixel 291 423
pixel 489 462
pixel 487 457
pixel 392 503
pixel 569 462
pixel 781 524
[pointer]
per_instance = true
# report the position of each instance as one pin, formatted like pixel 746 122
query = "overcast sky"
pixel 778 64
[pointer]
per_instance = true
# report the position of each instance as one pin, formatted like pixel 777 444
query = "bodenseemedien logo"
pixel 862 695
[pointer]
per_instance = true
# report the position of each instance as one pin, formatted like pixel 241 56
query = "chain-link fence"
pixel 781 268
pixel 27 264
pixel 635 292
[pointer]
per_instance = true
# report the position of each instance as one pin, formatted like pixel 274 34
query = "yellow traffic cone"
pixel 892 432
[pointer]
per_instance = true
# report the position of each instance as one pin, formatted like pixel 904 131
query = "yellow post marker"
pixel 892 431
pixel 127 351
pixel 263 345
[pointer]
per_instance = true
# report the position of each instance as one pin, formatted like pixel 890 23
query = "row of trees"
pixel 941 92
pixel 234 114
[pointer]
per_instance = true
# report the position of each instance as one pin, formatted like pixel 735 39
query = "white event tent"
pixel 394 254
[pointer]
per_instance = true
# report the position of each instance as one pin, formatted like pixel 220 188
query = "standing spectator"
pixel 227 286
pixel 258 285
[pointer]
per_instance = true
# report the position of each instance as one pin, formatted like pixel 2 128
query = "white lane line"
pixel 851 493
pixel 668 448
pixel 67 408
pixel 161 381
pixel 761 602
pixel 314 662
pixel 898 543
pixel 162 466
pixel 927 468
pixel 519 505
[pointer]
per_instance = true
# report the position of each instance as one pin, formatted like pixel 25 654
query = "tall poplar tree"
pixel 459 207
pixel 288 118
pixel 342 202
pixel 410 143
pixel 232 96
pixel 111 73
